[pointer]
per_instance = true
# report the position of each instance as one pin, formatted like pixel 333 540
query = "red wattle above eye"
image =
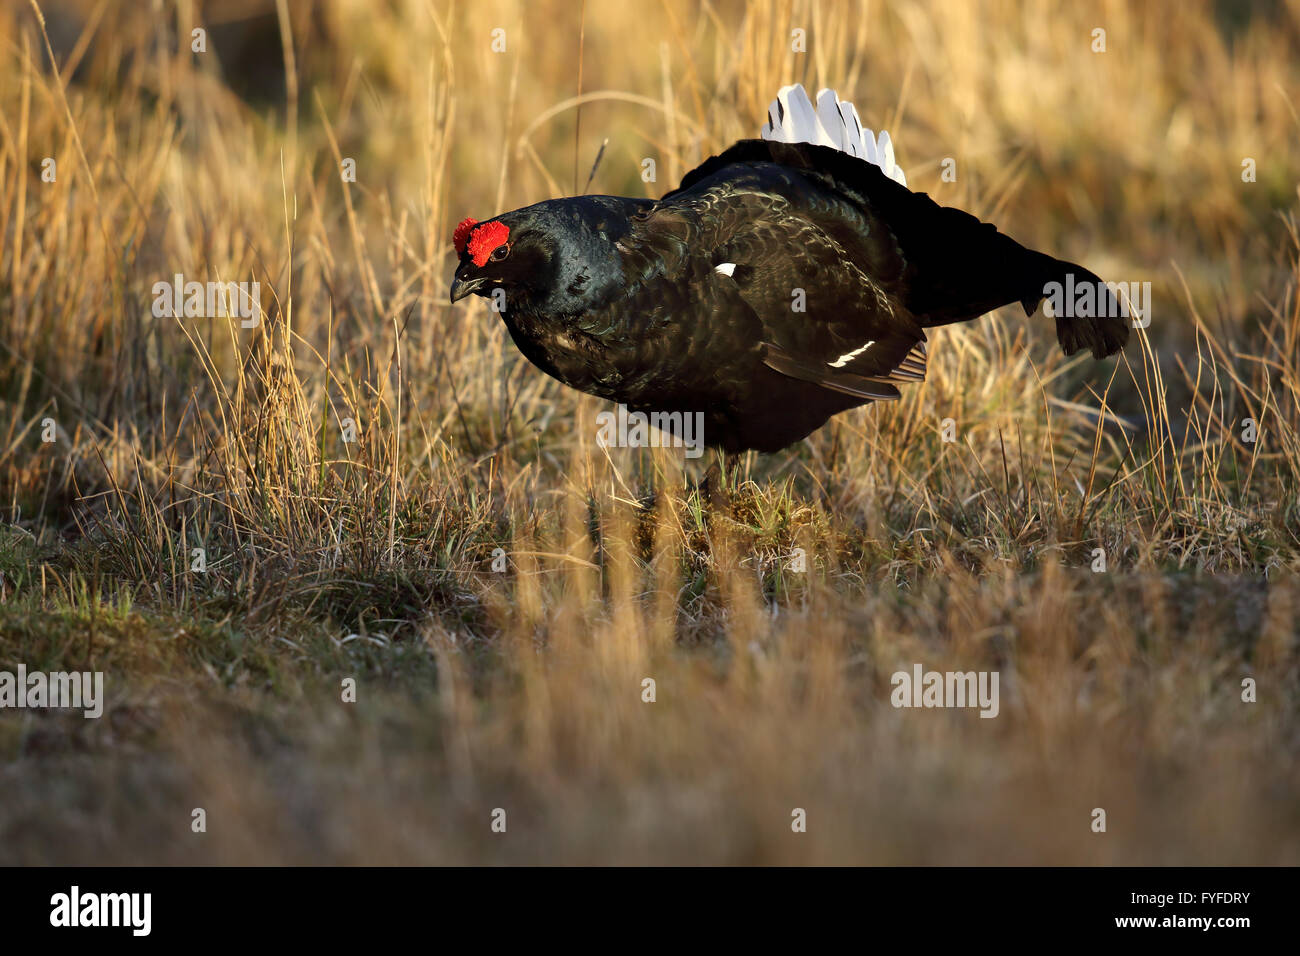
pixel 485 238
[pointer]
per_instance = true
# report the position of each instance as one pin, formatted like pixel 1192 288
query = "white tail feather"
pixel 833 122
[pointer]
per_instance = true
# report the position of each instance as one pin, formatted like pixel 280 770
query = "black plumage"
pixel 691 303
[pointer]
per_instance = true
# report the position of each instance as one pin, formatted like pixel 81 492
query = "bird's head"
pixel 556 256
pixel 492 255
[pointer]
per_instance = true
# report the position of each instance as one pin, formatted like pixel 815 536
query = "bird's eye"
pixel 500 252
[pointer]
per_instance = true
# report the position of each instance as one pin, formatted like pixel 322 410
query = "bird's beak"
pixel 461 287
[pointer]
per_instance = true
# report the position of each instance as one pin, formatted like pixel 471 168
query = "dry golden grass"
pixel 523 690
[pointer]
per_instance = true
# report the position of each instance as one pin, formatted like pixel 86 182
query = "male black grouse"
pixel 788 279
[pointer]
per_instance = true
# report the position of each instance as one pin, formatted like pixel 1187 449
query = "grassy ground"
pixel 521 689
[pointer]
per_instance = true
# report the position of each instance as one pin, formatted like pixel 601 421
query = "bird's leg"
pixel 733 471
pixel 714 485
pixel 711 477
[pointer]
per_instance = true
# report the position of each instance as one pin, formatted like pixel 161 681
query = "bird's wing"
pixel 822 316
pixel 825 319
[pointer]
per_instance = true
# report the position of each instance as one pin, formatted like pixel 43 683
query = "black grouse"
pixel 788 279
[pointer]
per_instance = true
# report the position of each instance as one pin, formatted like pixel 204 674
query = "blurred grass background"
pixel 523 689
